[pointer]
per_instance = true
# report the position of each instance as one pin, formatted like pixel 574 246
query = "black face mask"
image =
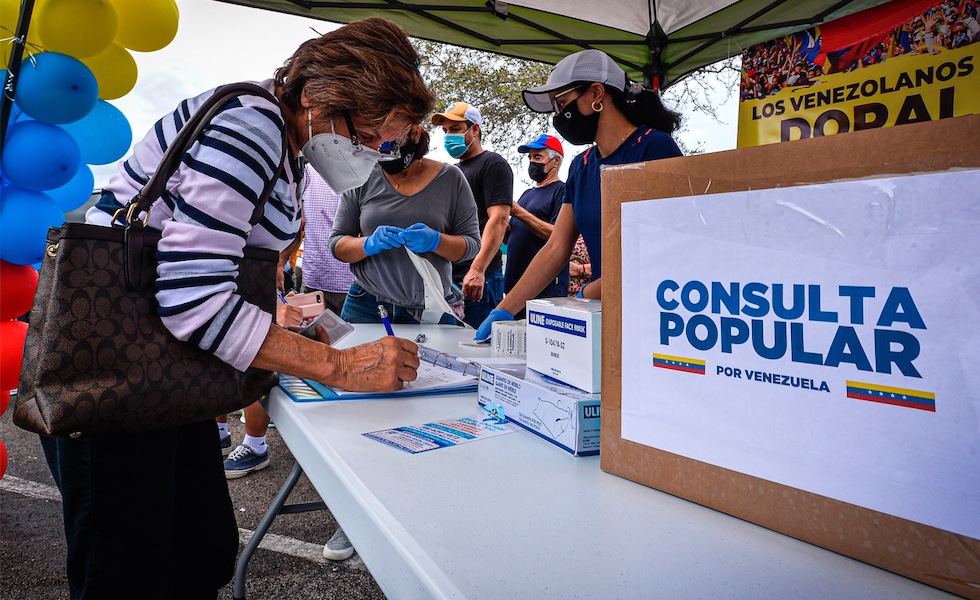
pixel 535 171
pixel 409 150
pixel 574 127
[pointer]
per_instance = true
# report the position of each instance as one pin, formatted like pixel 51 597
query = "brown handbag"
pixel 97 358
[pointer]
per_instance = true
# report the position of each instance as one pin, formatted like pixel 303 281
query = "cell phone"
pixel 312 303
pixel 337 328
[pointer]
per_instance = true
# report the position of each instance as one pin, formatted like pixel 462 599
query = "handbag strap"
pixel 134 241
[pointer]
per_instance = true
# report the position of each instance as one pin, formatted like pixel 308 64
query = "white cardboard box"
pixel 564 340
pixel 565 416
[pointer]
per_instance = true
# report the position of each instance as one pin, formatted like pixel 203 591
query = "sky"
pixel 219 43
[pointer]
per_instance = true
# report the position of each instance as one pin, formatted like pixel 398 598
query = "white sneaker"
pixel 338 547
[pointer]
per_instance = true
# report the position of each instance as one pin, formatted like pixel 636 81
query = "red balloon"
pixel 17 286
pixel 3 459
pixel 12 334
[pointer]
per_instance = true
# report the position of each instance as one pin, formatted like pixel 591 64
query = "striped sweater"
pixel 204 219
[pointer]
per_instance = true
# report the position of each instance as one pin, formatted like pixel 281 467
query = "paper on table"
pixel 435 300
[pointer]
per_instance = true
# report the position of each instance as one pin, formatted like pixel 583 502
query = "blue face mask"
pixel 455 144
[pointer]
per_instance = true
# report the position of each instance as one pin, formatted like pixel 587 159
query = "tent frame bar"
pixel 657 67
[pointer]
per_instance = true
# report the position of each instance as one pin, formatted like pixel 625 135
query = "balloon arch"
pixel 66 59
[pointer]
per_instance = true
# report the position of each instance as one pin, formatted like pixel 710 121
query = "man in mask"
pixel 533 216
pixel 492 182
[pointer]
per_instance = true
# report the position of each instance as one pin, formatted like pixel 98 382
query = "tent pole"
pixel 13 67
pixel 654 74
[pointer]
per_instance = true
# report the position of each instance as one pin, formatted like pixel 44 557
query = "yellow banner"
pixel 903 89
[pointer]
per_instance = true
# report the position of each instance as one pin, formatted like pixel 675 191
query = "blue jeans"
pixel 361 306
pixel 146 515
pixel 493 293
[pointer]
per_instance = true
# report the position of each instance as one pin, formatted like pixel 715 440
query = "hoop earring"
pixel 596 108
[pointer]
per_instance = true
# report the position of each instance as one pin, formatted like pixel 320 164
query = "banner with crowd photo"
pixel 902 62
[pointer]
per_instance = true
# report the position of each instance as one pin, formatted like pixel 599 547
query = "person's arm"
pixel 289 316
pixel 493 235
pixel 380 366
pixel 451 247
pixel 592 290
pixel 578 269
pixel 349 249
pixel 548 262
pixel 538 227
pixel 346 242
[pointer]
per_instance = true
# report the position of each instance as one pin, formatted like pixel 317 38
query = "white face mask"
pixel 342 165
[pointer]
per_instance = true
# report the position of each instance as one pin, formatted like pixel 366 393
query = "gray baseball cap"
pixel 593 66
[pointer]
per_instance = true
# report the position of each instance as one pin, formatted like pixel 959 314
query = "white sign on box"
pixel 822 337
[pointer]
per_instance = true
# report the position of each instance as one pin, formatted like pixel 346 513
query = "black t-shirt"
pixel 492 181
pixel 523 245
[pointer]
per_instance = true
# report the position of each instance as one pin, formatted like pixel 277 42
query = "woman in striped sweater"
pixel 340 96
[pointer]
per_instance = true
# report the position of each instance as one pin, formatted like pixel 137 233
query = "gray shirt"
pixel 446 205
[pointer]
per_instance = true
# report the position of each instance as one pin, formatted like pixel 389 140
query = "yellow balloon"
pixel 9 16
pixel 146 25
pixel 79 28
pixel 115 70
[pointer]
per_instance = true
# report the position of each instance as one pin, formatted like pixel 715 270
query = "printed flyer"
pixel 442 434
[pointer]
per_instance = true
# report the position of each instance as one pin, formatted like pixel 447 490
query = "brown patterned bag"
pixel 98 359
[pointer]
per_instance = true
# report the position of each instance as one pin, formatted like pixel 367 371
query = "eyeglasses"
pixel 554 101
pixel 387 151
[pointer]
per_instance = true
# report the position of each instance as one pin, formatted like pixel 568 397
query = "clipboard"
pixel 305 390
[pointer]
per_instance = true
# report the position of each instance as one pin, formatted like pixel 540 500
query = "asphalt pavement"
pixel 289 564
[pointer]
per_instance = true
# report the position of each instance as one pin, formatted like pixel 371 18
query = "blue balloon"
pixel 76 192
pixel 56 88
pixel 103 136
pixel 38 156
pixel 25 217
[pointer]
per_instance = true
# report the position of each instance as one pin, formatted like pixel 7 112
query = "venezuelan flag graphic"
pixel 892 395
pixel 678 363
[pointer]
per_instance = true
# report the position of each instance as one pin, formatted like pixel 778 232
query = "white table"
pixel 516 517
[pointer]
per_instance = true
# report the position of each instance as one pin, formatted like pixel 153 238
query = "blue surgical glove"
pixel 581 291
pixel 497 314
pixel 384 238
pixel 420 238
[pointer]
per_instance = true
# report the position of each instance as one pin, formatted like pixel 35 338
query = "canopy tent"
pixel 657 41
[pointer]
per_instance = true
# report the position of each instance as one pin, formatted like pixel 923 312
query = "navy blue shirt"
pixel 583 190
pixel 522 245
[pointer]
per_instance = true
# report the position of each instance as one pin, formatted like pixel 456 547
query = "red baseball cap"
pixel 544 141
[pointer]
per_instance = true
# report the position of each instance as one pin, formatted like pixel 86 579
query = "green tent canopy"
pixel 657 41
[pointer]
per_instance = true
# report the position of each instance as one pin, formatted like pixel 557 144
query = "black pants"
pixel 146 515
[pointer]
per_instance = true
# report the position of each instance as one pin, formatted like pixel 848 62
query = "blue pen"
pixel 281 297
pixel 384 319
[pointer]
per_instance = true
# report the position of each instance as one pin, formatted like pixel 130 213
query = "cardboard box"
pixel 928 554
pixel 565 416
pixel 564 337
pixel 509 337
